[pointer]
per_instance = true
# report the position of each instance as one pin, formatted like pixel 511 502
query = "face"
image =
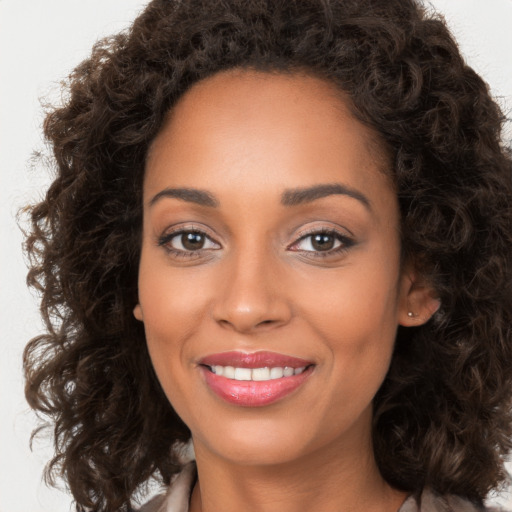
pixel 270 252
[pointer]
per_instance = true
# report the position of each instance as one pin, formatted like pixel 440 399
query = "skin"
pixel 257 282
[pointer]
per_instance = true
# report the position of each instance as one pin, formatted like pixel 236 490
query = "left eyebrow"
pixel 298 196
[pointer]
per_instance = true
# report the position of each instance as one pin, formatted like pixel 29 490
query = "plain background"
pixel 40 42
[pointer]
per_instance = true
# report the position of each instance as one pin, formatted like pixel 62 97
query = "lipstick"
pixel 256 379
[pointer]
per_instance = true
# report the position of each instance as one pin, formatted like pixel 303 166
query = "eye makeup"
pixel 193 242
pixel 322 236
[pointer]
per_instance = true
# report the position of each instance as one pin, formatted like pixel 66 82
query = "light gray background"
pixel 40 42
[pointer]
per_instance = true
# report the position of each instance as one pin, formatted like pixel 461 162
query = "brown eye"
pixel 187 241
pixel 192 241
pixel 322 242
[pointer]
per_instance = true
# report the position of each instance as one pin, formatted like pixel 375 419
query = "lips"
pixel 256 379
pixel 254 360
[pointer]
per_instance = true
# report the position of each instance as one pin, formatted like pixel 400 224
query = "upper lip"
pixel 254 360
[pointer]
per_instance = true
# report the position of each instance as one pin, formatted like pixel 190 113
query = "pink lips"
pixel 253 393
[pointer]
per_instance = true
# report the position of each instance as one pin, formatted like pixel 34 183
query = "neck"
pixel 330 479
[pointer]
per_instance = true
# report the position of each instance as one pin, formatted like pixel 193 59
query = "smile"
pixel 254 380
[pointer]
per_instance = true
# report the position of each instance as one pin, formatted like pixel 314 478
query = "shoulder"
pixel 429 501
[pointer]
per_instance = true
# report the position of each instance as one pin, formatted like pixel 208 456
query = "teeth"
pixel 243 374
pixel 261 374
pixel 228 372
pixel 276 373
pixel 288 372
pixel 256 374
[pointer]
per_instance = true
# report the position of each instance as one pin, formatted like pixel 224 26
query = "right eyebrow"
pixel 191 195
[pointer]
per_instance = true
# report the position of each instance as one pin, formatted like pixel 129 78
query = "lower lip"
pixel 249 393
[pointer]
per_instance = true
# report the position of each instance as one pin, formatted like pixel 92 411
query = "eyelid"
pixel 170 233
pixel 346 241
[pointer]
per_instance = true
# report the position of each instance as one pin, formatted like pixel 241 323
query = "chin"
pixel 259 452
pixel 252 441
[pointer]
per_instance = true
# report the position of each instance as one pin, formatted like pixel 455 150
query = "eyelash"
pixel 345 245
pixel 346 242
pixel 165 240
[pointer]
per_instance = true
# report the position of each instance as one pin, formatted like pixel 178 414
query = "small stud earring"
pixel 410 314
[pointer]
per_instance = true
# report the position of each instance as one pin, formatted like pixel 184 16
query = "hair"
pixel 442 418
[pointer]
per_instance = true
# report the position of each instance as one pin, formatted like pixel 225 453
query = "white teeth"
pixel 243 374
pixel 288 372
pixel 261 374
pixel 256 374
pixel 229 372
pixel 276 373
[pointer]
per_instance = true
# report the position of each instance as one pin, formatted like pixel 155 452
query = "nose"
pixel 251 297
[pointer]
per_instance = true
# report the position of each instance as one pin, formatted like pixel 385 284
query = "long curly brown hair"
pixel 442 417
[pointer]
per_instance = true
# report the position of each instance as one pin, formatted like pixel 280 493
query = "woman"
pixel 281 230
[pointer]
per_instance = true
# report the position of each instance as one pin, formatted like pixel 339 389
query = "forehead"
pixel 253 94
pixel 250 130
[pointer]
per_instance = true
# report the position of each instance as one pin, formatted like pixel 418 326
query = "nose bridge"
pixel 250 296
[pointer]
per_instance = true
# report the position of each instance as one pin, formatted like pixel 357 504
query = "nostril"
pixel 266 322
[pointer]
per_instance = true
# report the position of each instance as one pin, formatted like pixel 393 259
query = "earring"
pixel 410 314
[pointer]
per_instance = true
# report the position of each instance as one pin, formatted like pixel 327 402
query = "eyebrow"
pixel 291 197
pixel 191 195
pixel 306 195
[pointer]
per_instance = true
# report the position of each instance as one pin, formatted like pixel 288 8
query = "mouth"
pixel 254 380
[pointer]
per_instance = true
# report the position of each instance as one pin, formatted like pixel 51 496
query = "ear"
pixel 418 300
pixel 137 313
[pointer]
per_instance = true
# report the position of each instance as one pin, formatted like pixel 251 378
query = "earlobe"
pixel 419 301
pixel 137 313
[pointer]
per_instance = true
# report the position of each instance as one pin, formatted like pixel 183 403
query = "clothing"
pixel 177 498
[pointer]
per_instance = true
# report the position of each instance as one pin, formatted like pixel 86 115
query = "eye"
pixel 187 241
pixel 319 242
pixel 323 243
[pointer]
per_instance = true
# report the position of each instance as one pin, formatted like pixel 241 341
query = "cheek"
pixel 355 314
pixel 166 338
pixel 172 301
pixel 357 302
pixel 172 310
